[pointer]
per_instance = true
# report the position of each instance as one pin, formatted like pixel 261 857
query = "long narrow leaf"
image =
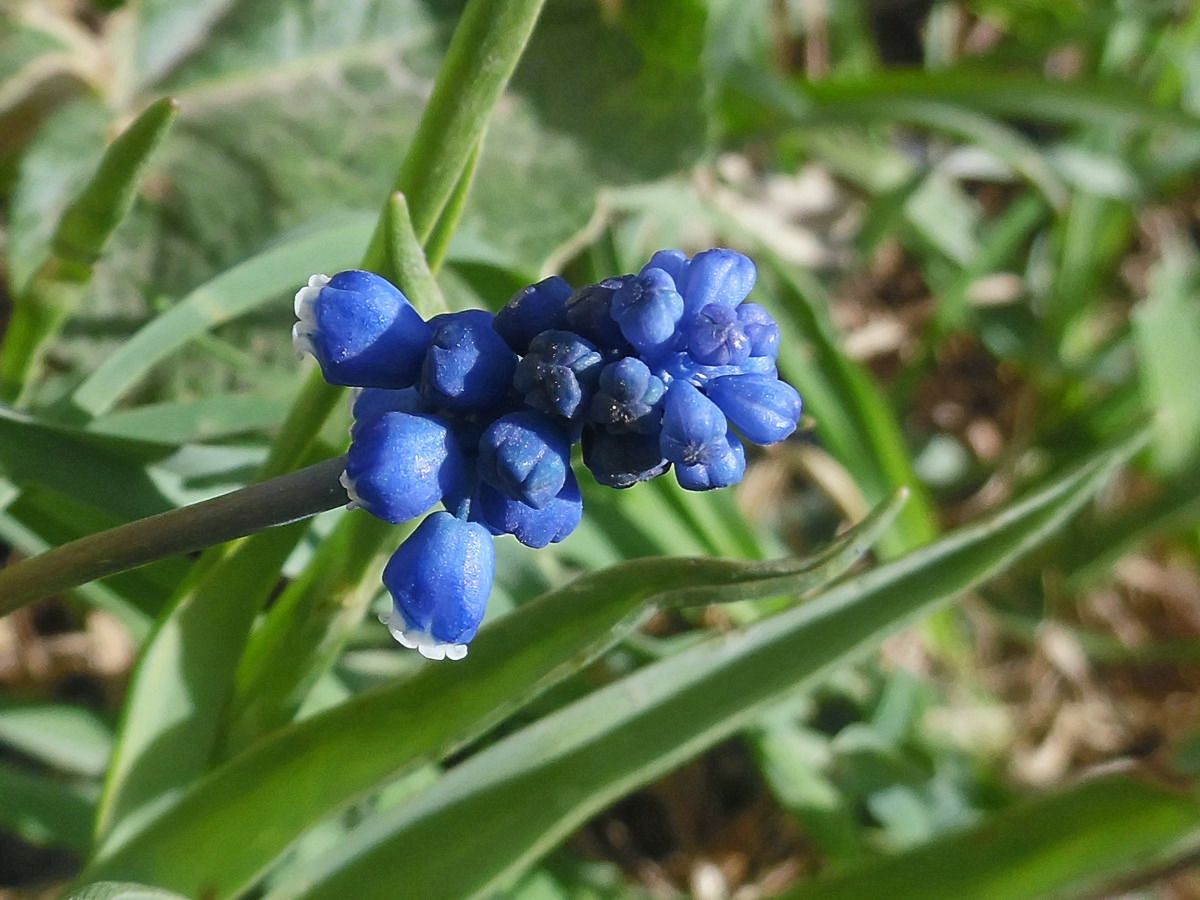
pixel 226 831
pixel 503 808
pixel 1062 844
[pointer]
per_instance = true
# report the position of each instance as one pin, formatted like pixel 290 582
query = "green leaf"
pixel 184 679
pixel 56 290
pixel 54 168
pixel 207 419
pixel 1078 840
pixel 90 219
pixel 1166 328
pixel 589 754
pixel 121 890
pixel 46 810
pixel 307 627
pixel 66 738
pixel 331 245
pixel 231 825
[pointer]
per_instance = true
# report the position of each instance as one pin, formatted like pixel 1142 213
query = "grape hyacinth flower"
pixel 668 368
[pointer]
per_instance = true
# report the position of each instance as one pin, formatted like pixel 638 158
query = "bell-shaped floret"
pixel 532 310
pixel 723 277
pixel 525 456
pixel 674 262
pixel 440 579
pixel 361 330
pixel 535 528
pixel 589 315
pixel 648 308
pixel 764 409
pixel 693 428
pixel 621 460
pixel 558 375
pixel 761 328
pixel 715 338
pixel 723 465
pixel 399 465
pixel 628 398
pixel 468 366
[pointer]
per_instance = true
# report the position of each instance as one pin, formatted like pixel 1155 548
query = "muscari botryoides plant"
pixel 666 369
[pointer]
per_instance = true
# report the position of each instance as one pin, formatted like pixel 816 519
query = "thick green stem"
pixel 237 514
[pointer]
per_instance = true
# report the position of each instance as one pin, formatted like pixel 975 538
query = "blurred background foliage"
pixel 976 222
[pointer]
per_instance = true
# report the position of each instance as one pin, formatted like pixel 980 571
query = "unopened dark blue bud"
pixel 628 398
pixel 361 330
pixel 761 328
pixel 723 277
pixel 648 308
pixel 589 314
pixel 723 465
pixel 440 580
pixel 533 527
pixel 525 456
pixel 763 408
pixel 674 262
pixel 399 465
pixel 468 366
pixel 693 428
pixel 532 310
pixel 558 375
pixel 621 460
pixel 715 337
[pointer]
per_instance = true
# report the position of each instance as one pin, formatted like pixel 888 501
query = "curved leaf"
pixel 231 825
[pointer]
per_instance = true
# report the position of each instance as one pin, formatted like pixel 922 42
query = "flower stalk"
pixel 251 509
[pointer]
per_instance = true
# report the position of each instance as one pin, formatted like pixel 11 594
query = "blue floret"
pixel 440 579
pixel 361 330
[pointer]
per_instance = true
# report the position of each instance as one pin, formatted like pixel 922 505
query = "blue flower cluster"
pixel 668 368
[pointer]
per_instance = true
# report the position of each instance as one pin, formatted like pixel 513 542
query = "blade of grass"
pixel 235 292
pixel 1075 841
pixel 57 289
pixel 229 827
pixel 589 754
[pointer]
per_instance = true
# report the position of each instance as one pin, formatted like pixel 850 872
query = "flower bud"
pixel 440 579
pixel 622 459
pixel 764 409
pixel 723 277
pixel 399 465
pixel 648 308
pixel 535 528
pixel 723 465
pixel 628 398
pixel 532 310
pixel 589 315
pixel 558 374
pixel 525 456
pixel 693 428
pixel 361 330
pixel 715 338
pixel 468 366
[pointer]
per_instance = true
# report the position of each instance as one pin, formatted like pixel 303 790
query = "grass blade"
pixel 229 827
pixel 589 754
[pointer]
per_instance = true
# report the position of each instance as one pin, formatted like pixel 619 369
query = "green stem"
pixel 435 174
pixel 233 515
pixel 481 58
pixel 439 239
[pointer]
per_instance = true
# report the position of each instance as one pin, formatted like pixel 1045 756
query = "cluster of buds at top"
pixel 665 369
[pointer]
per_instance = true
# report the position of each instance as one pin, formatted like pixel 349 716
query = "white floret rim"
pixel 304 306
pixel 356 502
pixel 421 641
